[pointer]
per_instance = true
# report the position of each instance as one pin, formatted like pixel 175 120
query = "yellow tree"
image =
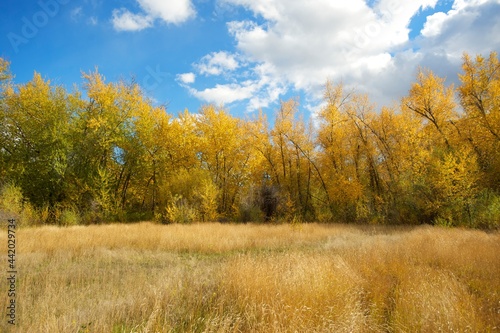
pixel 480 99
pixel 454 181
pixel 141 153
pixel 262 160
pixel 36 118
pixel 351 158
pixel 104 155
pixel 183 143
pixel 360 113
pixel 433 102
pixel 295 162
pixel 402 148
pixel 224 152
pixel 178 188
pixel 5 74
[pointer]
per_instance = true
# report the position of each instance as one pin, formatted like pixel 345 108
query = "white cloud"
pixel 434 24
pixel 123 20
pixel 217 63
pixel 258 87
pixel 366 45
pixel 226 93
pixel 471 26
pixel 186 78
pixel 171 11
pixel 308 42
pixel 462 4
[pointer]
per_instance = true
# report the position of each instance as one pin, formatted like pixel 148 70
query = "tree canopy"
pixel 115 156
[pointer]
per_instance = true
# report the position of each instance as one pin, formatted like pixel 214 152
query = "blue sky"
pixel 246 54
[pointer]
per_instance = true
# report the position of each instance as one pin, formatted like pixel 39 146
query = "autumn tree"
pixel 349 157
pixel 35 139
pixel 480 99
pixel 433 102
pixel 5 74
pixel 146 156
pixel 115 155
pixel 224 152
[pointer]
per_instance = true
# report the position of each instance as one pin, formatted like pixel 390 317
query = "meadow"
pixel 213 277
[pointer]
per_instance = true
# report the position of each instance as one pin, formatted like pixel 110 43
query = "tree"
pixel 480 99
pixel 5 77
pixel 5 74
pixel 35 122
pixel 434 103
pixel 224 152
pixel 297 172
pixel 348 157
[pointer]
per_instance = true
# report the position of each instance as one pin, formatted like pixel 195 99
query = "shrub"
pixel 486 211
pixel 11 199
pixel 13 206
pixel 69 217
pixel 180 211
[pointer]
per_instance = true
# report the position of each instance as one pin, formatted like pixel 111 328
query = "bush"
pixel 69 217
pixel 13 206
pixel 11 199
pixel 179 211
pixel 486 211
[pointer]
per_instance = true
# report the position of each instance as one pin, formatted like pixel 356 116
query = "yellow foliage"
pixel 116 154
pixel 207 193
pixel 431 101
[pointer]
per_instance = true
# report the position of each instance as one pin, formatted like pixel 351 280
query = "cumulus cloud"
pixel 186 78
pixel 226 93
pixel 365 44
pixel 123 20
pixel 309 42
pixel 470 26
pixel 217 63
pixel 258 86
pixel 172 11
pixel 434 24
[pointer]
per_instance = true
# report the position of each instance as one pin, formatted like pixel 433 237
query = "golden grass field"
pixel 212 277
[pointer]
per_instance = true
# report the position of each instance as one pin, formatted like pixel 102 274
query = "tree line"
pixel 107 153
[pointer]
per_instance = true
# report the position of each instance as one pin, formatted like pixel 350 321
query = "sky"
pixel 246 55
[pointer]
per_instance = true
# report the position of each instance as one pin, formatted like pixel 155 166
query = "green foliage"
pixel 11 199
pixel 486 210
pixel 69 217
pixel 13 206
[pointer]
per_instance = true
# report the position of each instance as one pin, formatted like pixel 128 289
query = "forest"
pixel 106 153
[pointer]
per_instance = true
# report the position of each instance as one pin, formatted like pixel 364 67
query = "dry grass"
pixel 254 278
